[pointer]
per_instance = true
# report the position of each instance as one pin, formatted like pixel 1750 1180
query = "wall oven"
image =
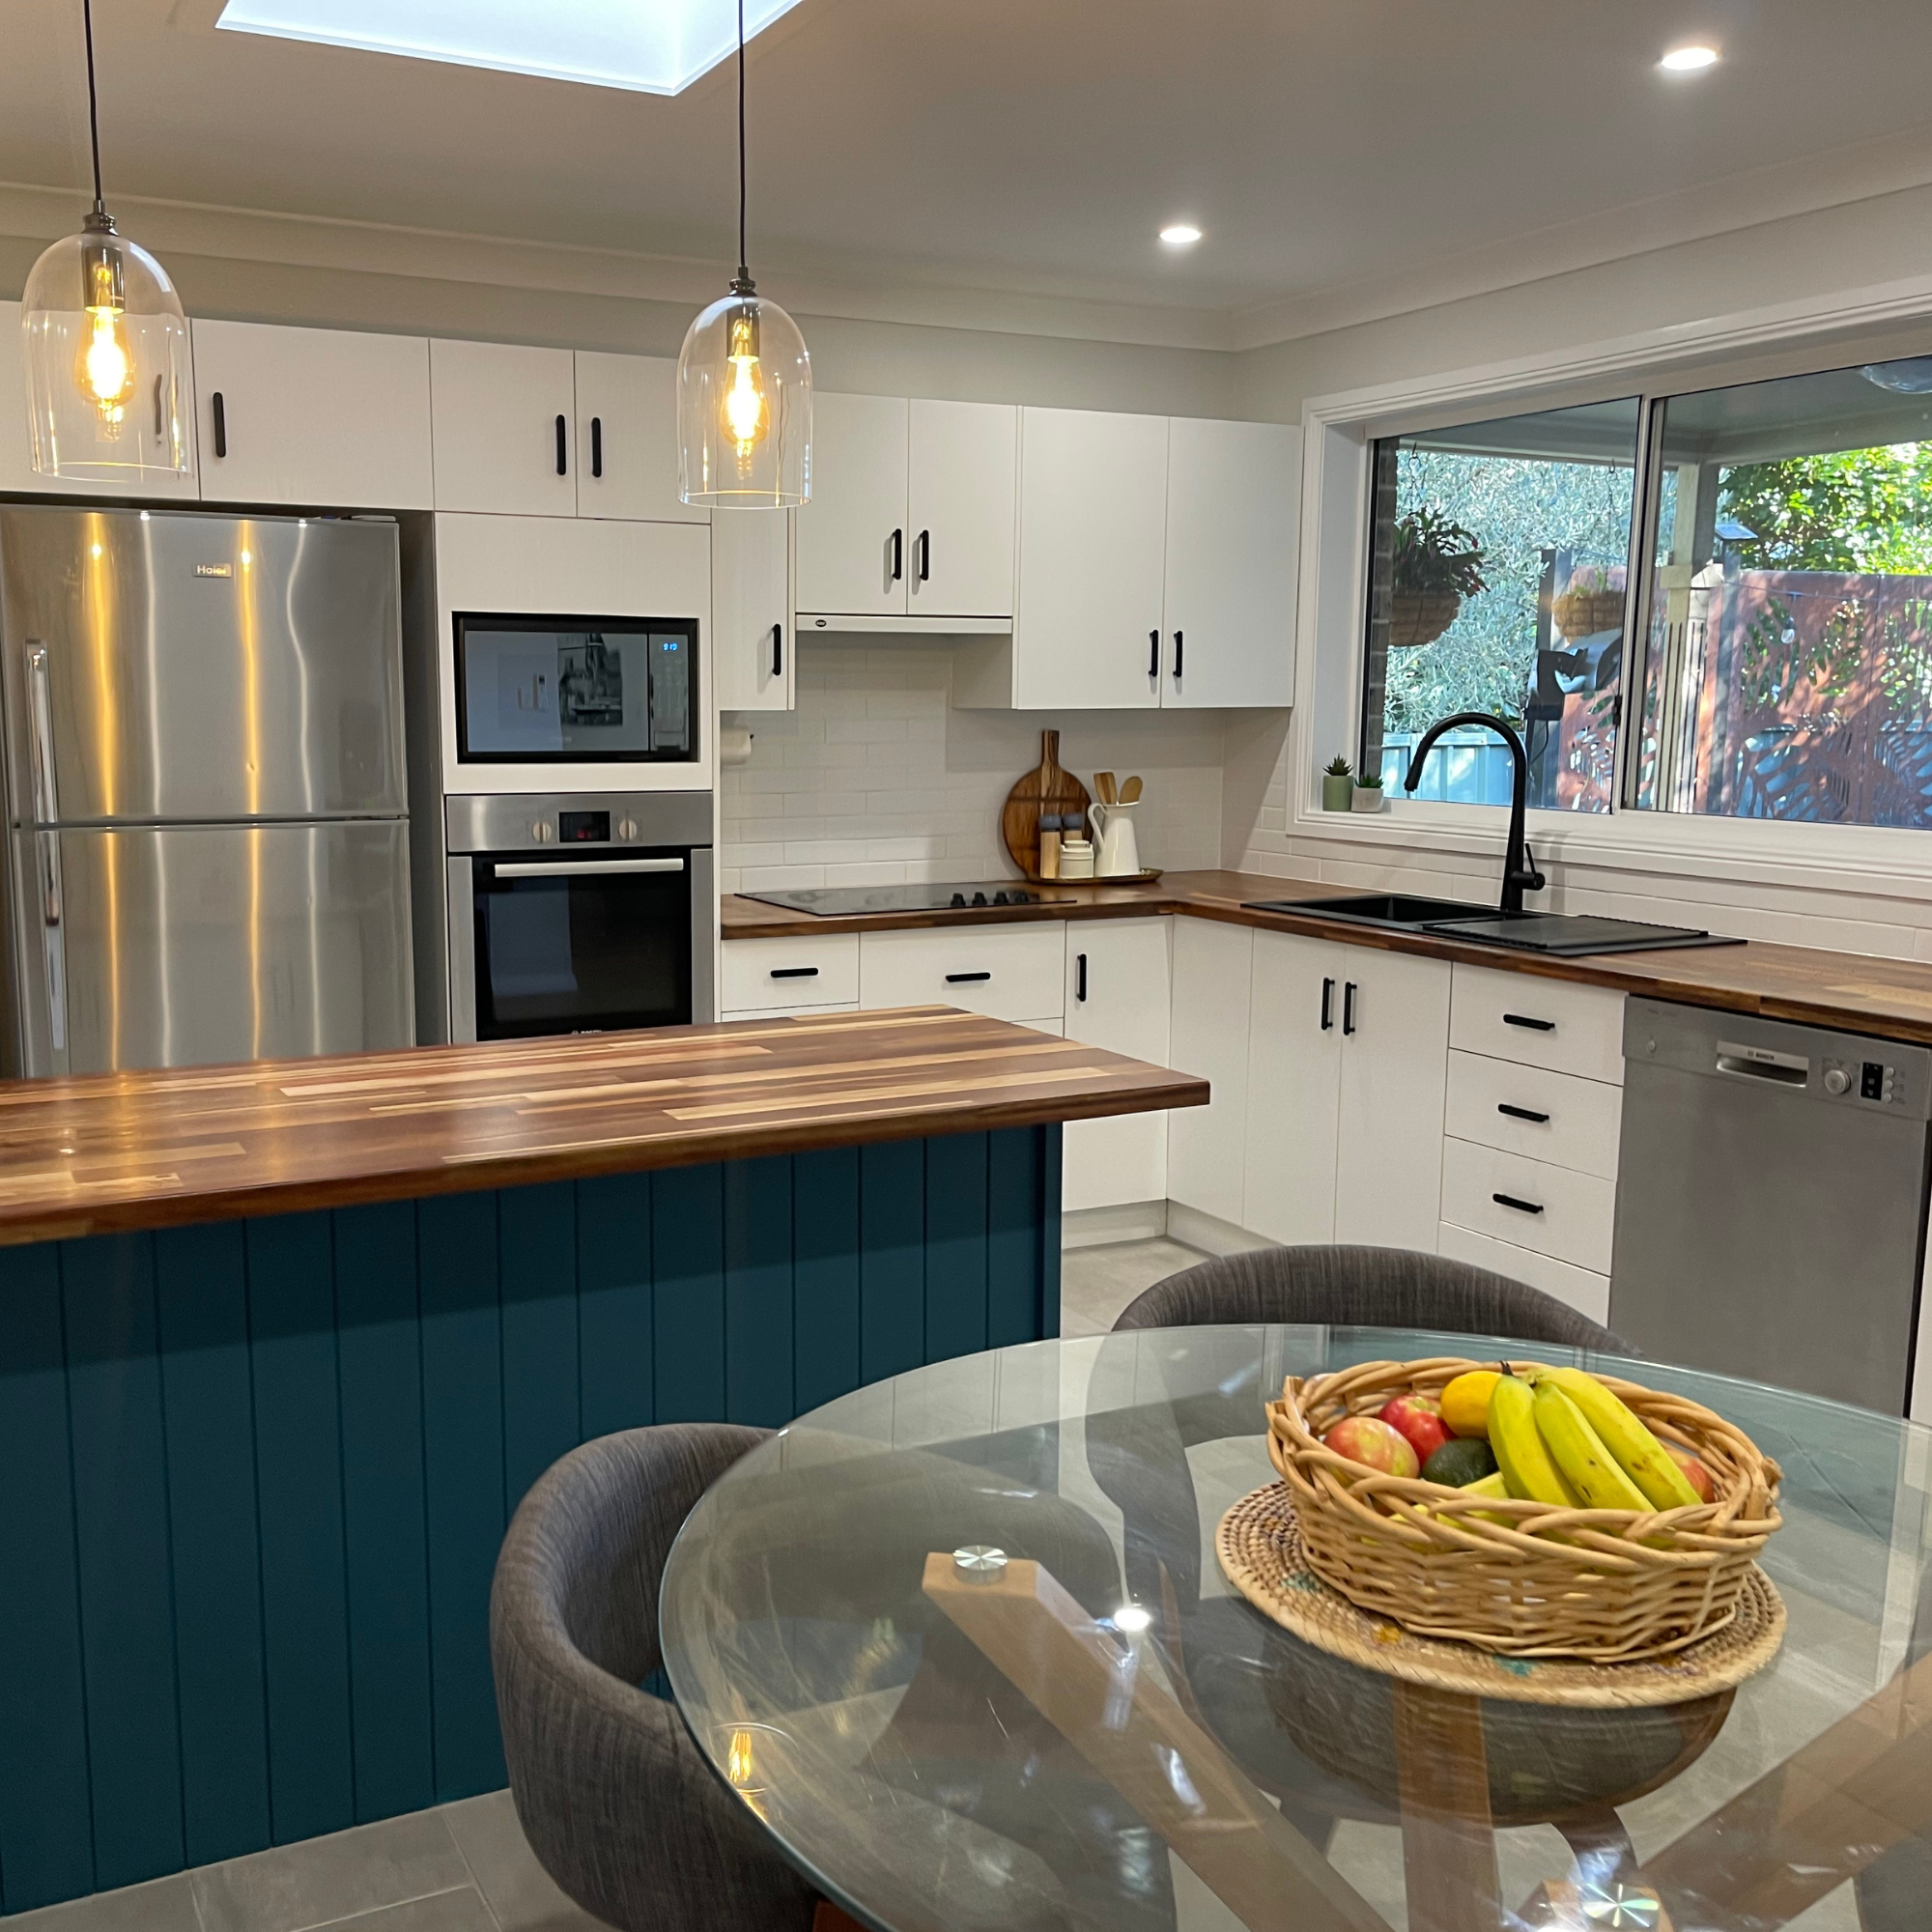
pixel 578 912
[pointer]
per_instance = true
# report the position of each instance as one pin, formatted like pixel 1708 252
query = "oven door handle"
pixel 570 869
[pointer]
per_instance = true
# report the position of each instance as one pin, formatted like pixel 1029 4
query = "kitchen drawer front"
pixel 767 975
pixel 1538 1022
pixel 1587 1292
pixel 1493 1103
pixel 789 1012
pixel 1562 1214
pixel 1008 973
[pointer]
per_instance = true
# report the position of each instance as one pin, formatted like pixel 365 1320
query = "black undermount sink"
pixel 1559 935
pixel 1383 909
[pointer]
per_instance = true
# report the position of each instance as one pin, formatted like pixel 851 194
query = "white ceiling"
pixel 1335 152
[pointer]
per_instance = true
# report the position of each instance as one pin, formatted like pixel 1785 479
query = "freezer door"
pixel 192 945
pixel 182 667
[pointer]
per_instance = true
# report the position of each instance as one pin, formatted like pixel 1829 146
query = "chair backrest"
pixel 617 1802
pixel 1370 1287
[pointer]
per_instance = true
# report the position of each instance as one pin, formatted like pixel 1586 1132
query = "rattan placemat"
pixel 1259 1547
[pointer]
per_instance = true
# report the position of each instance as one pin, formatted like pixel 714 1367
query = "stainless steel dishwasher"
pixel 1771 1201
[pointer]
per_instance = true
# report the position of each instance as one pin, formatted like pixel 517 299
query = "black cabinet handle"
pixel 794 972
pixel 220 410
pixel 899 554
pixel 925 557
pixel 1348 1008
pixel 596 446
pixel 1327 1005
pixel 1520 1206
pixel 160 420
pixel 965 979
pixel 778 650
pixel 1154 653
pixel 1080 978
pixel 563 450
pixel 1521 1112
pixel 1524 1020
pixel 1177 656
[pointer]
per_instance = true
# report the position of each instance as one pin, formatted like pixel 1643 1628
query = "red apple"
pixel 1418 1417
pixel 1695 1473
pixel 1369 1440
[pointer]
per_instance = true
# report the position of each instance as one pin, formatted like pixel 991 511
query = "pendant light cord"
pixel 744 273
pixel 94 104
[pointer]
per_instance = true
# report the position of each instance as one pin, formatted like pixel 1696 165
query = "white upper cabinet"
pixel 1234 493
pixel 626 448
pixel 752 641
pixel 852 551
pixel 503 420
pixel 1087 627
pixel 963 479
pixel 321 417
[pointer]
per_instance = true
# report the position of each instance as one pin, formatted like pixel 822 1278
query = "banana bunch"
pixel 1562 1437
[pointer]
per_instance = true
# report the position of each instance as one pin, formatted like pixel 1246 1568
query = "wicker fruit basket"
pixel 1583 613
pixel 1421 616
pixel 1523 1578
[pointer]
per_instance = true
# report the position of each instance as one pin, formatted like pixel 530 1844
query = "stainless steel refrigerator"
pixel 207 807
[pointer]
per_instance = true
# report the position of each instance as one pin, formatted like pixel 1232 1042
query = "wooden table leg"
pixel 1448 1841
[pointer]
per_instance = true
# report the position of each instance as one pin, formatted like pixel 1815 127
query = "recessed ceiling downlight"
pixel 1181 235
pixel 659 48
pixel 1689 60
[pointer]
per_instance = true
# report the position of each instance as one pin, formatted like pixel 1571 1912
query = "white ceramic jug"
pixel 1118 849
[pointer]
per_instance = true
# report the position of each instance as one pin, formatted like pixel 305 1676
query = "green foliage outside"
pixel 1853 511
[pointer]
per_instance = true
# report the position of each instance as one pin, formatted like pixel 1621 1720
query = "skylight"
pixel 651 46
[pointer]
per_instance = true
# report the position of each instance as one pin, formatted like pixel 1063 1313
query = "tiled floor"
pixel 1097 1283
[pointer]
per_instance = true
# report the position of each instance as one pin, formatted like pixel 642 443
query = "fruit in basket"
pixel 1637 1452
pixel 1461 1463
pixel 1695 1473
pixel 1522 1453
pixel 1371 1441
pixel 1591 1470
pixel 1465 1402
pixel 1419 1417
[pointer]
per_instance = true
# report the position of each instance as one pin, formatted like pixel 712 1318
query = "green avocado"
pixel 1459 1463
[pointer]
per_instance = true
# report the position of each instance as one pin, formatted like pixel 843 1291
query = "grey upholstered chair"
pixel 1365 1287
pixel 617 1803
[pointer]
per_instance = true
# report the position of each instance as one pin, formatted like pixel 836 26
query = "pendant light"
pixel 744 388
pixel 105 349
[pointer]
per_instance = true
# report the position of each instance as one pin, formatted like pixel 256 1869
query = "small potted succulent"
pixel 1368 793
pixel 1437 563
pixel 1337 783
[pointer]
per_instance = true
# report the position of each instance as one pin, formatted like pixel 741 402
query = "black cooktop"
pixel 843 902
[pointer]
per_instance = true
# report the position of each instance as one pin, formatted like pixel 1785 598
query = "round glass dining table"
pixel 1126 1743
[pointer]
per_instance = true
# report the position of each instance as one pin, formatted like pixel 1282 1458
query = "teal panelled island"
pixel 282 1346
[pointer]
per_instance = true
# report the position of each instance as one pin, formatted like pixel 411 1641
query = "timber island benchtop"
pixel 120 1152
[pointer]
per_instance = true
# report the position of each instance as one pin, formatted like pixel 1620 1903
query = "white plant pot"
pixel 1367 798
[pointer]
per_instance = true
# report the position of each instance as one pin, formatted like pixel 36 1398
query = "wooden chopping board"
pixel 1047 789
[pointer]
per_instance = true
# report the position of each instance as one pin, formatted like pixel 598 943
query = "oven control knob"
pixel 543 831
pixel 627 828
pixel 1837 1080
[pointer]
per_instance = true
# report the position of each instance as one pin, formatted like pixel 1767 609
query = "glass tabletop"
pixel 1133 1746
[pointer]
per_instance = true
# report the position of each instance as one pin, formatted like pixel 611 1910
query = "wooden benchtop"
pixel 1857 991
pixel 210 1144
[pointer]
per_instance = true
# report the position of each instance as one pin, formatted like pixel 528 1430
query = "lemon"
pixel 1465 1402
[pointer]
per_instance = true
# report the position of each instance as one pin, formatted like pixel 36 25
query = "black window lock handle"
pixel 778 650
pixel 1080 978
pixel 794 972
pixel 1534 1026
pixel 1521 1112
pixel 1154 653
pixel 1520 1206
pixel 965 979
pixel 1327 1005
pixel 562 449
pixel 219 408
pixel 1348 1008
pixel 597 446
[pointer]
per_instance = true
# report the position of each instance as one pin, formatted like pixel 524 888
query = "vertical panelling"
pixel 1012 1236
pixel 537 1267
pixel 47 1837
pixel 891 1258
pixel 463 1470
pixel 385 1521
pixel 1050 1141
pixel 955 1246
pixel 299 1475
pixel 614 1302
pixel 120 1521
pixel 201 1298
pixel 688 1292
pixel 759 1292
pixel 825 1276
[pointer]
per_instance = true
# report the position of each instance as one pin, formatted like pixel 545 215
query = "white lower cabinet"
pixel 1587 1292
pixel 1117 992
pixel 790 974
pixel 1530 1203
pixel 1346 1075
pixel 1005 971
pixel 1209 1037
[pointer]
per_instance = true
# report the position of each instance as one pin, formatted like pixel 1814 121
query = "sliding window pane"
pixel 1496 584
pixel 1788 670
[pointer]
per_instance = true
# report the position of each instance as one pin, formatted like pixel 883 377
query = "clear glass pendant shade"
pixel 105 349
pixel 744 407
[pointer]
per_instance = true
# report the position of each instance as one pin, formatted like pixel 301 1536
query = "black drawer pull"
pixel 1327 1004
pixel 1080 978
pixel 963 979
pixel 1154 653
pixel 1524 1020
pixel 563 450
pixel 1521 1112
pixel 925 557
pixel 794 972
pixel 220 413
pixel 899 554
pixel 597 446
pixel 778 650
pixel 1347 1007
pixel 1520 1206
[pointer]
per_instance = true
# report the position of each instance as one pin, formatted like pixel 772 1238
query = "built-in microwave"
pixel 578 913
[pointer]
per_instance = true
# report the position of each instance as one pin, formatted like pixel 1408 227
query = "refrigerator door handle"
pixel 53 940
pixel 46 801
